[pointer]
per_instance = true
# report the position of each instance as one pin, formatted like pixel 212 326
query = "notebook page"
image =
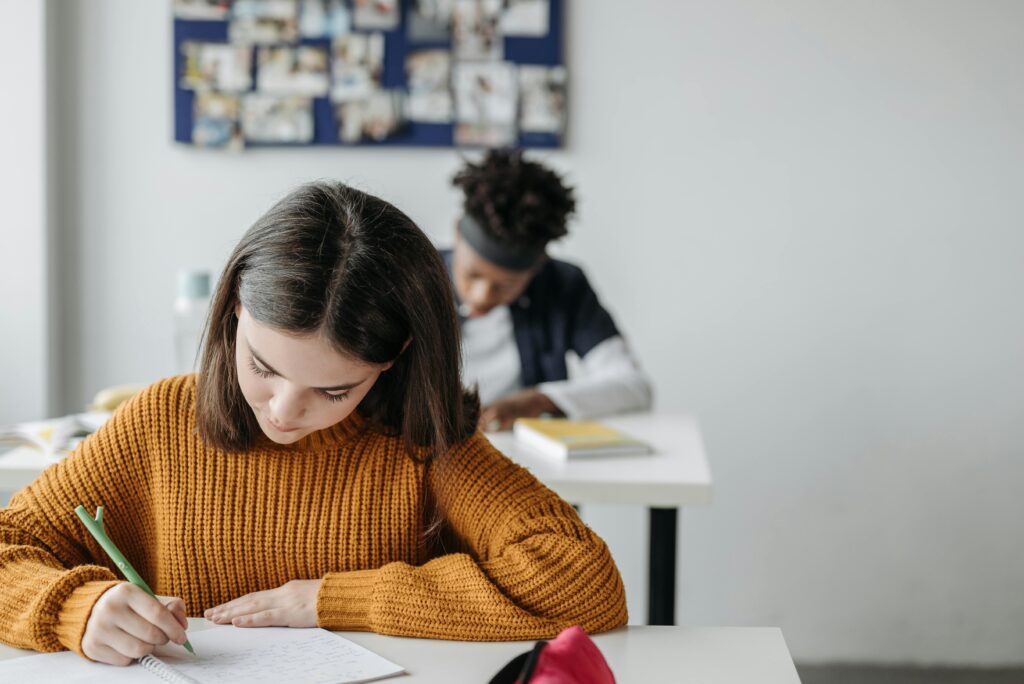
pixel 277 654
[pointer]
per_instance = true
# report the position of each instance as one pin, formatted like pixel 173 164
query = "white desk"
pixel 710 655
pixel 675 475
pixel 19 466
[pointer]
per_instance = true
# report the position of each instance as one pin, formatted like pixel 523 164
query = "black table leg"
pixel 661 607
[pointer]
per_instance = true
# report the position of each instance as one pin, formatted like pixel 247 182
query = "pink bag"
pixel 569 658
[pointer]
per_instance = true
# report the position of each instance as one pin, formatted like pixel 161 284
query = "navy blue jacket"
pixel 557 312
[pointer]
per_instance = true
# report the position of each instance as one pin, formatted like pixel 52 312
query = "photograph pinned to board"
pixel 376 117
pixel 264 22
pixel 202 10
pixel 475 32
pixel 429 21
pixel 528 18
pixel 324 18
pixel 542 99
pixel 357 61
pixel 428 74
pixel 375 15
pixel 216 66
pixel 215 121
pixel 285 70
pixel 485 103
pixel 276 119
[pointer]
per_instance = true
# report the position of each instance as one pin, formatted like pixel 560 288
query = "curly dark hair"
pixel 517 201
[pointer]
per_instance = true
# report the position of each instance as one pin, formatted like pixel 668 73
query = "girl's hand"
pixel 127 623
pixel 290 605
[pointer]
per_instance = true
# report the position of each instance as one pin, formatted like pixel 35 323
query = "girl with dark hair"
pixel 323 468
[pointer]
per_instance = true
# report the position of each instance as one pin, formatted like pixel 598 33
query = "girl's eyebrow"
pixel 336 388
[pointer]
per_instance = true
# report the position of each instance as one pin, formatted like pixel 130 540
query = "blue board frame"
pixel 545 50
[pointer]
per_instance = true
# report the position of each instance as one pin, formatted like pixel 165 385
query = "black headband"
pixel 512 257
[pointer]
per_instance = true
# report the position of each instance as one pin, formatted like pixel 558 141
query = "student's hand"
pixel 529 403
pixel 290 605
pixel 127 623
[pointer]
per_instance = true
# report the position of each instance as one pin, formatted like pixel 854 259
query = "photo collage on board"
pixel 285 60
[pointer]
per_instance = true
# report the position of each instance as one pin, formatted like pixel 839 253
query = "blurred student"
pixel 522 312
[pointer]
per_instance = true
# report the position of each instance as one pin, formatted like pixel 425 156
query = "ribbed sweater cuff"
pixel 74 613
pixel 345 599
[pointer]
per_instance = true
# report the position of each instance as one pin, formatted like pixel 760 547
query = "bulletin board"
pixel 464 73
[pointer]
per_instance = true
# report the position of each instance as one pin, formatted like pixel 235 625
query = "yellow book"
pixel 569 439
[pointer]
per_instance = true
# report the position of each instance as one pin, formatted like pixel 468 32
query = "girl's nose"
pixel 286 407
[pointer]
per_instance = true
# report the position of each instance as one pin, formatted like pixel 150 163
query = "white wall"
pixel 806 214
pixel 24 288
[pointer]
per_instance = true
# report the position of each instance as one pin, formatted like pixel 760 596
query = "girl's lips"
pixel 281 429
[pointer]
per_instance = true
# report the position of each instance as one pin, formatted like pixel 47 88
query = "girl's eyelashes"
pixel 334 397
pixel 264 373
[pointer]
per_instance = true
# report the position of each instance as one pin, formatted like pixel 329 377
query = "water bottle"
pixel 190 309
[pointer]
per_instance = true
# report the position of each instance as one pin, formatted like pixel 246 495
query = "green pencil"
pixel 99 533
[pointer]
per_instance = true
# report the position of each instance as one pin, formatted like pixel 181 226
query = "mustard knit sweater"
pixel 344 504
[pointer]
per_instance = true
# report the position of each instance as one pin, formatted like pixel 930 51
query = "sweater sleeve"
pixel 530 566
pixel 51 570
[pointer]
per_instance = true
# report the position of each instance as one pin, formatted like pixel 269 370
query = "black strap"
pixel 520 669
pixel 532 658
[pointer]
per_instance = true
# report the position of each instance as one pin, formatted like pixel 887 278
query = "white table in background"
pixel 19 466
pixel 674 476
pixel 641 654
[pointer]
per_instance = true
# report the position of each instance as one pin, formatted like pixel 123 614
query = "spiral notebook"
pixel 226 655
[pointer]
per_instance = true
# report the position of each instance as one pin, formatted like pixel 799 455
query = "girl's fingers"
pixel 127 645
pixel 142 629
pixel 106 654
pixel 177 608
pixel 291 605
pixel 179 615
pixel 234 603
pixel 243 605
pixel 264 618
pixel 156 613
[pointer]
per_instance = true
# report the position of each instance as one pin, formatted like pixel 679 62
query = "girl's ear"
pixel 238 308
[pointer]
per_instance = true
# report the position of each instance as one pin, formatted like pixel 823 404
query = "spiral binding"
pixel 165 671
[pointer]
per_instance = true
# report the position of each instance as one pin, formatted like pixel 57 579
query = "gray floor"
pixel 864 674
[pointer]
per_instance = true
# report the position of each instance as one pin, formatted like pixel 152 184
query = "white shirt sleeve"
pixel 610 381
